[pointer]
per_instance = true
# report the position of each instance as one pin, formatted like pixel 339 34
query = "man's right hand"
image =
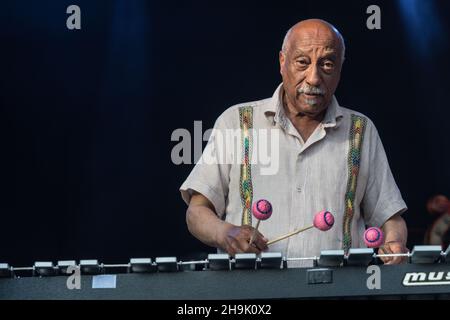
pixel 235 239
pixel 205 225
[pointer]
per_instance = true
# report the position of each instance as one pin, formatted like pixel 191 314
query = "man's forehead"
pixel 312 34
pixel 314 30
pixel 308 46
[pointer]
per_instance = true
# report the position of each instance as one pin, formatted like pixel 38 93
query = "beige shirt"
pixel 311 176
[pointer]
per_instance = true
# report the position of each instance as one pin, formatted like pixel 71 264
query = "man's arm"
pixel 204 224
pixel 396 235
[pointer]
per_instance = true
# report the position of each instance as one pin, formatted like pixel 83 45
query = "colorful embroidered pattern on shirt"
pixel 357 128
pixel 246 187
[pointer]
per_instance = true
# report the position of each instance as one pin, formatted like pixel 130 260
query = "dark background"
pixel 87 116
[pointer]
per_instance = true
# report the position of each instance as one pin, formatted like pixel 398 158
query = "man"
pixel 330 158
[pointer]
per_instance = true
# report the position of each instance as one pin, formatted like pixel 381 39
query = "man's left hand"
pixel 393 247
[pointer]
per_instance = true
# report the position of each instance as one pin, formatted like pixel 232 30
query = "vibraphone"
pixel 245 276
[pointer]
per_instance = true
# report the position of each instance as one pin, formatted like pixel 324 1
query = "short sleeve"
pixel 210 176
pixel 382 198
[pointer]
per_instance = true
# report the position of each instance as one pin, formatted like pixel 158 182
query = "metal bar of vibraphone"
pixel 192 262
pixel 116 265
pixel 22 268
pixel 302 259
pixel 234 260
pixel 392 255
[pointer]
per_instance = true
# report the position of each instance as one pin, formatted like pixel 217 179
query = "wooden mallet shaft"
pixel 254 232
pixel 293 233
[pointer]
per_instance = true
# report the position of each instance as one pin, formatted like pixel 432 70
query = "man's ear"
pixel 282 60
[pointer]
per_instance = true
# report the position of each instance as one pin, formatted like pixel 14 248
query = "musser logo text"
pixel 426 278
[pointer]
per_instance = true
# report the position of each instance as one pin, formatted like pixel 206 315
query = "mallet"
pixel 323 220
pixel 262 210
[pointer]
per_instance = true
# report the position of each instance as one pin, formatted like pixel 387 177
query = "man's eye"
pixel 302 62
pixel 328 65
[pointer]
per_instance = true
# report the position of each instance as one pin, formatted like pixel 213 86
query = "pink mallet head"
pixel 262 209
pixel 373 237
pixel 323 220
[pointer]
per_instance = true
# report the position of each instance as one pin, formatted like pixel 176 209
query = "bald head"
pixel 313 31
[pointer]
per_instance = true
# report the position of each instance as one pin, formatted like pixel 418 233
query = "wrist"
pixel 220 233
pixel 393 241
pixel 396 246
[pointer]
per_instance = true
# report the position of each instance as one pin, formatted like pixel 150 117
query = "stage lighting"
pixel 245 261
pixel 90 266
pixel 167 264
pixel 219 261
pixel 44 269
pixel 141 265
pixel 360 256
pixel 426 254
pixel 270 260
pixel 331 258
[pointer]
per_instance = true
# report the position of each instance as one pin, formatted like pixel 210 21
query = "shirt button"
pixel 299 189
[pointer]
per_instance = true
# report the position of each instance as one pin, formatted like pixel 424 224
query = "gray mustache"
pixel 310 90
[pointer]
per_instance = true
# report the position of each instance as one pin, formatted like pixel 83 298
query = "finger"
pixel 242 244
pixel 260 243
pixel 247 230
pixel 246 233
pixel 253 237
pixel 262 237
pixel 396 260
pixel 250 248
pixel 234 248
pixel 244 237
pixel 230 250
pixel 385 250
pixel 400 249
pixel 250 230
pixel 388 260
pixel 253 249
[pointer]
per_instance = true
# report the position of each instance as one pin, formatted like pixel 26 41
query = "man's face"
pixel 311 69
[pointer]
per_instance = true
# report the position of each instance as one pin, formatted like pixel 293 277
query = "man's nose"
pixel 313 76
